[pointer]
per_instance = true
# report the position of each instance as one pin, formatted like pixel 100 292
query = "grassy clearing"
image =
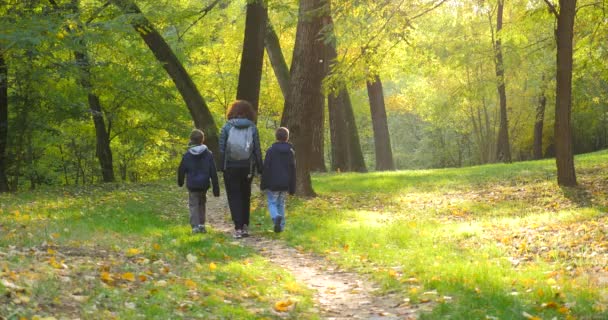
pixel 488 242
pixel 125 252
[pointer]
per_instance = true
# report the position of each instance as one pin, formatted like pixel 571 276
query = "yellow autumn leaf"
pixel 282 306
pixel 212 266
pixel 392 273
pixel 133 251
pixel 54 235
pixel 50 251
pixel 529 316
pixel 128 276
pixel 142 278
pixel 106 277
pixel 156 246
pixel 54 263
pixel 190 284
pixel 292 287
pixel 550 305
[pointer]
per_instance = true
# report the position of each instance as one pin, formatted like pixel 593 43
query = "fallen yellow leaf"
pixel 133 251
pixel 106 277
pixel 128 276
pixel 212 266
pixel 190 284
pixel 282 306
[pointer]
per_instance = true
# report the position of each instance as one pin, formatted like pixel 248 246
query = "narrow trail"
pixel 339 294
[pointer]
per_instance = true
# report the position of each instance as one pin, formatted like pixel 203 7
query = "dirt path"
pixel 338 294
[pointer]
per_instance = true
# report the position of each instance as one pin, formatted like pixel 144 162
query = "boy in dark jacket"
pixel 198 167
pixel 279 177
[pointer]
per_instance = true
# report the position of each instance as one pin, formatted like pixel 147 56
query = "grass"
pixel 499 241
pixel 126 252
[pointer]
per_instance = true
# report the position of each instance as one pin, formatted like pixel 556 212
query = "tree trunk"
pixel 277 60
pixel 203 119
pixel 252 57
pixel 103 152
pixel 564 156
pixel 305 104
pixel 539 122
pixel 346 154
pixel 503 149
pixel 3 123
pixel 382 139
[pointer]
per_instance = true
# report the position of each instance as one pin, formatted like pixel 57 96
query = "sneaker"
pixel 277 224
pixel 195 230
pixel 245 231
pixel 237 234
pixel 201 228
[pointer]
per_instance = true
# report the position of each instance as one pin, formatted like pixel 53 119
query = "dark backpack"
pixel 239 144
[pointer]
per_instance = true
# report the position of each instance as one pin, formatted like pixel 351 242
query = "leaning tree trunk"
pixel 346 154
pixel 252 57
pixel 382 139
pixel 539 122
pixel 3 123
pixel 503 149
pixel 202 117
pixel 305 104
pixel 277 60
pixel 564 156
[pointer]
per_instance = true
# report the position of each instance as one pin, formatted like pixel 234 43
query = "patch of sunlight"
pixel 370 219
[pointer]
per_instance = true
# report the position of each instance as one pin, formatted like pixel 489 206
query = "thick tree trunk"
pixel 3 123
pixel 346 154
pixel 202 117
pixel 503 148
pixel 305 104
pixel 382 139
pixel 539 123
pixel 277 60
pixel 564 156
pixel 252 57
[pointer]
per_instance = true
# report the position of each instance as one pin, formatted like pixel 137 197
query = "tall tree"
pixel 304 107
pixel 346 154
pixel 503 148
pixel 564 34
pixel 3 121
pixel 201 115
pixel 277 60
pixel 252 58
pixel 382 139
pixel 281 71
pixel 83 62
pixel 539 121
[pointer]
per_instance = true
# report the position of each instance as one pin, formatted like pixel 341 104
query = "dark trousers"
pixel 196 203
pixel 238 189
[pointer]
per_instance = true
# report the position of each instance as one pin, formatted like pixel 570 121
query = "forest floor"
pixel 338 294
pixel 498 241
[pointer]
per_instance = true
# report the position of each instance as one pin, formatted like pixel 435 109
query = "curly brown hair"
pixel 241 109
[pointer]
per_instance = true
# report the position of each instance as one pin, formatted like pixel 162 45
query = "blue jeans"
pixel 276 205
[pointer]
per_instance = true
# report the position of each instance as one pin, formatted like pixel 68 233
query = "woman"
pixel 240 157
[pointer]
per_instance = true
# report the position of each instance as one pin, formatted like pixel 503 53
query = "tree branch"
pixel 97 12
pixel 203 13
pixel 552 8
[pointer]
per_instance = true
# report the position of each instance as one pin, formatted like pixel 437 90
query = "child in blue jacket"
pixel 279 176
pixel 198 167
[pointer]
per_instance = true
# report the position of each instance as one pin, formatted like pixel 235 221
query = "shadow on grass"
pixel 578 195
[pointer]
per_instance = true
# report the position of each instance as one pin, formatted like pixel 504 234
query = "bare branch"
pixel 97 12
pixel 552 8
pixel 203 13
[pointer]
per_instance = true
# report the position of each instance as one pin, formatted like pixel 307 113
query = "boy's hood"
pixel 282 147
pixel 196 150
pixel 241 122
